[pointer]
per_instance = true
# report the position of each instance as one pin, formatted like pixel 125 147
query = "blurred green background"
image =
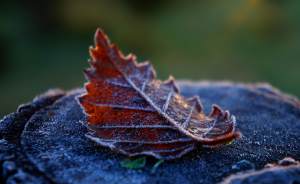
pixel 44 44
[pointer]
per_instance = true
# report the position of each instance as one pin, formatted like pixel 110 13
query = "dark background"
pixel 44 44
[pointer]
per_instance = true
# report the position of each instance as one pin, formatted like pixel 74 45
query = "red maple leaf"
pixel 132 112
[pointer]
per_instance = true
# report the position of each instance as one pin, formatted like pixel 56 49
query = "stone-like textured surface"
pixel 54 149
pixel 15 166
pixel 286 171
pixel 277 175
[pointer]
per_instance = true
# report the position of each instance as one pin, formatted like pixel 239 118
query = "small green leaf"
pixel 134 163
pixel 156 165
pixel 229 142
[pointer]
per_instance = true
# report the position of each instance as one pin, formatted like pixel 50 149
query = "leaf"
pixel 156 165
pixel 134 164
pixel 132 112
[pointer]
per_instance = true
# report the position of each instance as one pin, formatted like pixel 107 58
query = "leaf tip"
pixel 170 82
pixel 216 111
pixel 100 38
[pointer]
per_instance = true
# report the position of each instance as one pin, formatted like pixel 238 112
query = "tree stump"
pixel 44 141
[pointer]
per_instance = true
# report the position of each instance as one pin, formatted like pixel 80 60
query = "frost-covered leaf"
pixel 132 112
